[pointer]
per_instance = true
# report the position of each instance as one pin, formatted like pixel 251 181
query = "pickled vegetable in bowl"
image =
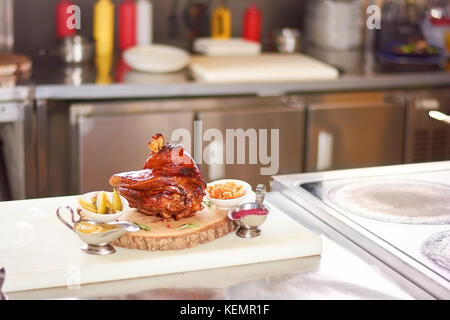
pixel 228 193
pixel 102 206
pixel 226 190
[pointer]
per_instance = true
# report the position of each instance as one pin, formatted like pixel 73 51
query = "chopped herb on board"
pixel 142 226
pixel 207 203
pixel 188 225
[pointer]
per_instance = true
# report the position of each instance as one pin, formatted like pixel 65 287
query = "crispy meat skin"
pixel 170 185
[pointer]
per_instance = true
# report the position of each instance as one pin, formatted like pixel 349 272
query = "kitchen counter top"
pixel 15 93
pixel 343 271
pixel 396 239
pixel 183 87
pixel 54 80
pixel 133 84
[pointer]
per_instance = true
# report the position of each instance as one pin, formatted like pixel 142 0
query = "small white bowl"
pixel 107 217
pixel 228 204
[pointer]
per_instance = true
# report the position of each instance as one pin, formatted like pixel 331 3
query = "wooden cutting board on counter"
pixel 269 67
pixel 38 251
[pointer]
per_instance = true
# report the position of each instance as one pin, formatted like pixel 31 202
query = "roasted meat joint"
pixel 170 184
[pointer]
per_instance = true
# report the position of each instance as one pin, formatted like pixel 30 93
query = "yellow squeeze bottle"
pixel 221 23
pixel 103 67
pixel 104 28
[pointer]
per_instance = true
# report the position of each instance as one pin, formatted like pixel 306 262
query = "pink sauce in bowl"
pixel 243 213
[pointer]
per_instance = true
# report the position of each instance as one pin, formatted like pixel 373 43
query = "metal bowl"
pixel 76 49
pixel 249 225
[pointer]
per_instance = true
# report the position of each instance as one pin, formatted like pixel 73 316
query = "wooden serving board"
pixel 170 235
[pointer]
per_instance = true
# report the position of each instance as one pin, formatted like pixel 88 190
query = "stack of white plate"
pixel 227 47
pixel 156 58
pixel 335 24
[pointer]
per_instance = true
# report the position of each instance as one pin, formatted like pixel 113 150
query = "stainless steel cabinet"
pixel 427 139
pixel 257 114
pixel 315 132
pixel 111 137
pixel 12 151
pixel 18 179
pixel 356 133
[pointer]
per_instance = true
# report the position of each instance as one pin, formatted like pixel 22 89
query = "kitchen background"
pixel 58 122
pixel 32 35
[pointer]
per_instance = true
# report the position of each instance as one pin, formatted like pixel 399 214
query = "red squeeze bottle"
pixel 251 27
pixel 122 69
pixel 61 17
pixel 127 24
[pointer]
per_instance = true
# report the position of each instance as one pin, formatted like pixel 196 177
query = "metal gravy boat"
pixel 249 225
pixel 96 242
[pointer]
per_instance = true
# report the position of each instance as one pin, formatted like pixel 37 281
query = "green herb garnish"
pixel 207 203
pixel 188 225
pixel 142 226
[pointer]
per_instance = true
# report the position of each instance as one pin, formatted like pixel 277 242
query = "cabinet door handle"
pixel 440 116
pixel 324 150
pixel 427 104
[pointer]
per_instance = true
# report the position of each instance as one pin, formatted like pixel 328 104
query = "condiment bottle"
pixel 221 23
pixel 144 22
pixel 61 16
pixel 127 24
pixel 103 66
pixel 104 28
pixel 196 19
pixel 121 69
pixel 251 26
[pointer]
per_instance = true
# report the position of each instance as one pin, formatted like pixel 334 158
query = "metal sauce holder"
pixel 98 242
pixel 249 225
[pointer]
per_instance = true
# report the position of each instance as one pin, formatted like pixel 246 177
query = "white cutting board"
pixel 38 251
pixel 261 68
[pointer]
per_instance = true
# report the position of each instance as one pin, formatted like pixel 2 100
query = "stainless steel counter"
pixel 187 88
pixel 51 79
pixel 15 93
pixel 183 87
pixel 343 271
pixel 54 80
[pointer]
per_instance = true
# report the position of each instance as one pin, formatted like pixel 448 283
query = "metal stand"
pixel 248 233
pixel 98 250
